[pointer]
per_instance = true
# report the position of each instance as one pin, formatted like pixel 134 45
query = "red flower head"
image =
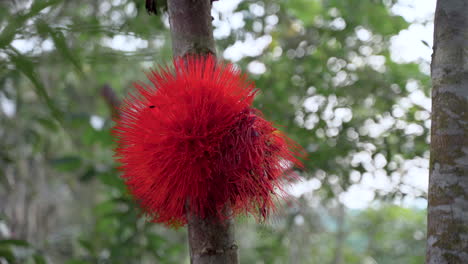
pixel 193 141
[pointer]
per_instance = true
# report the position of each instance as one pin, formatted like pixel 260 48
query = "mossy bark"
pixel 447 236
pixel 210 241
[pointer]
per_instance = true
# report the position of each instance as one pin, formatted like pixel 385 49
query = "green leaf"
pixel 156 241
pixel 47 123
pixel 111 178
pixel 18 20
pixel 38 259
pixel 8 255
pixel 86 244
pixel 88 175
pixel 61 44
pixel 67 163
pixel 26 66
pixel 91 136
pixel 14 242
pixel 40 5
pixel 8 33
pixel 305 10
pixel 425 43
pixel 62 47
pixel 76 261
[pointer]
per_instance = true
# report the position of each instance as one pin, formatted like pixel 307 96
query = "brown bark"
pixel 210 241
pixel 447 235
pixel 191 28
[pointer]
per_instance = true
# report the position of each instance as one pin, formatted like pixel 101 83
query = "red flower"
pixel 192 140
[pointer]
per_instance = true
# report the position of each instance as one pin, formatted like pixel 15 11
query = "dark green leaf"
pixel 47 123
pixel 88 175
pixel 68 163
pixel 17 20
pixel 425 43
pixel 40 5
pixel 14 242
pixel 61 44
pixel 75 261
pixel 8 255
pixel 26 66
pixel 112 179
pixel 38 259
pixel 86 244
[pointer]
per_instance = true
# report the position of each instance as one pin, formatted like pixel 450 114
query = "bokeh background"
pixel 349 80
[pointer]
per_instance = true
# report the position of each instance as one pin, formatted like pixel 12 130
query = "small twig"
pixel 111 99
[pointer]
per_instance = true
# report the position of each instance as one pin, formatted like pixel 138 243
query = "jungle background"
pixel 348 80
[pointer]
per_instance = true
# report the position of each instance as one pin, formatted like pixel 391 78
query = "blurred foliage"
pixel 19 251
pixel 329 82
pixel 389 234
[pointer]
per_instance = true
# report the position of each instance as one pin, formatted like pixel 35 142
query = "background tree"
pixel 447 235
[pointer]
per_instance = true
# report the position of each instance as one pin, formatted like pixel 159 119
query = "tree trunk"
pixel 210 241
pixel 447 235
pixel 191 28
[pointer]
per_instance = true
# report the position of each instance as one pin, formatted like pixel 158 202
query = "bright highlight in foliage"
pixel 192 141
